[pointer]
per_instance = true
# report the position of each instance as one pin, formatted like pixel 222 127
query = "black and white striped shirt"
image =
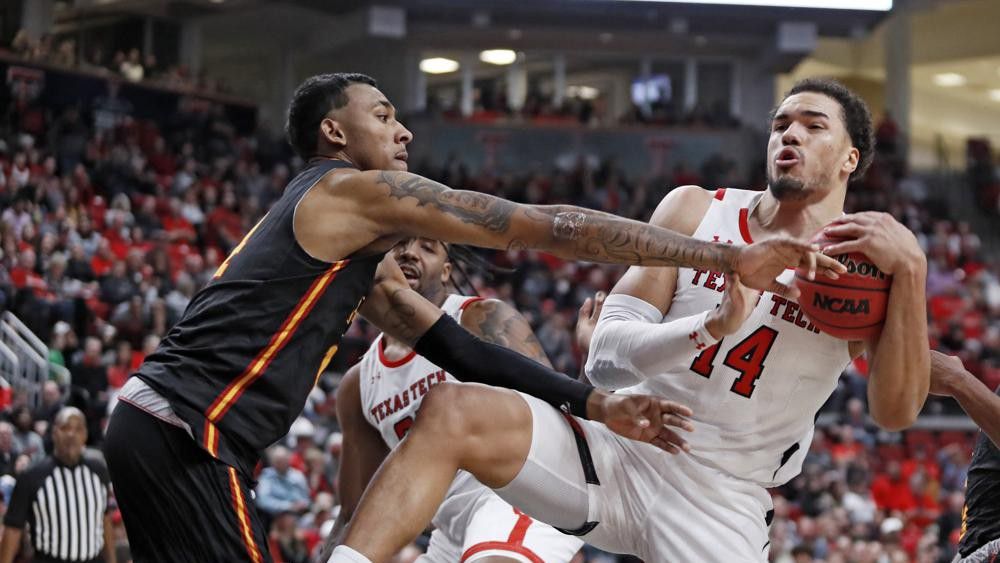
pixel 64 508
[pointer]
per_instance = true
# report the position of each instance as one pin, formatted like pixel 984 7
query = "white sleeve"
pixel 630 342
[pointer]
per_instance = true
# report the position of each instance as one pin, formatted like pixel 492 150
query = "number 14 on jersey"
pixel 747 357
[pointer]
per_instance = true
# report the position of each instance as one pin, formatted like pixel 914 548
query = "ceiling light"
pixel 874 5
pixel 438 65
pixel 949 79
pixel 498 56
pixel 995 94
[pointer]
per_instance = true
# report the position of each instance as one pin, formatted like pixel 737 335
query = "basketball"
pixel 851 307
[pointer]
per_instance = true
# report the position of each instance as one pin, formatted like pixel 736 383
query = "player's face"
pixel 424 263
pixel 809 152
pixel 374 139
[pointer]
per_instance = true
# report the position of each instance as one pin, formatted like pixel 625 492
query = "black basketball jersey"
pixel 981 517
pixel 241 362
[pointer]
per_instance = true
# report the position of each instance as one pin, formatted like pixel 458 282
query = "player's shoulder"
pixel 351 380
pixel 476 311
pixel 344 181
pixel 682 208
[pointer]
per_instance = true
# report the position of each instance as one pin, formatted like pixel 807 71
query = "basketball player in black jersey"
pixel 230 377
pixel 980 541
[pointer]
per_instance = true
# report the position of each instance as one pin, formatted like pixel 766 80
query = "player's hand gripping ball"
pixel 851 307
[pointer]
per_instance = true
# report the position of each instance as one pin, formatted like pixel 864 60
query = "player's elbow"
pixel 605 367
pixel 895 417
pixel 610 376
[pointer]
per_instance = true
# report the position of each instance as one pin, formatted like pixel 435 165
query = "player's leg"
pixel 499 533
pixel 177 502
pixel 441 549
pixel 702 515
pixel 483 430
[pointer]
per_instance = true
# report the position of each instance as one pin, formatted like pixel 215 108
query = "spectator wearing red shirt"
pixel 891 491
pixel 25 277
pixel 225 227
pixel 103 260
pixel 161 160
pixel 178 229
pixel 120 371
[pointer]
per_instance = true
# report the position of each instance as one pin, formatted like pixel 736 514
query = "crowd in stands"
pixel 592 109
pixel 130 65
pixel 109 225
pixel 984 177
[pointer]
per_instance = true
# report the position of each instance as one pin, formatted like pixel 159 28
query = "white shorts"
pixel 496 529
pixel 640 500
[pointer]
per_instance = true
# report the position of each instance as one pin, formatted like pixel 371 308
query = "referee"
pixel 64 501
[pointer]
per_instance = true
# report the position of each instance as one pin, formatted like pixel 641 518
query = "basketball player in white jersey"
pixel 753 370
pixel 378 400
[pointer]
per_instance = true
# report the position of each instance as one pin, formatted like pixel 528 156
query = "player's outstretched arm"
pixel 404 203
pixel 404 314
pixel 899 359
pixel 363 453
pixel 950 378
pixel 630 341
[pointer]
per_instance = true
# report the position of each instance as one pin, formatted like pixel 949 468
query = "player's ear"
pixel 853 158
pixel 446 273
pixel 333 131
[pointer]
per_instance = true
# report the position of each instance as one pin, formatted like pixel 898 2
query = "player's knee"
pixel 445 411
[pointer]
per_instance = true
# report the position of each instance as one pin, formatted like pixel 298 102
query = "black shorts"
pixel 178 503
pixel 989 553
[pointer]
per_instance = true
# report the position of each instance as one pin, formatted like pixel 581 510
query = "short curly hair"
pixel 312 100
pixel 854 112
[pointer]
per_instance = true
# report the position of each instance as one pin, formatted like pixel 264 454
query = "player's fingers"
pixel 845 247
pixel 848 230
pixel 810 265
pixel 679 422
pixel 862 217
pixel 586 308
pixel 671 437
pixel 670 407
pixel 635 408
pixel 830 266
pixel 599 303
pixel 795 245
pixel 784 290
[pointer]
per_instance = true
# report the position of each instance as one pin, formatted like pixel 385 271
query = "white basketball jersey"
pixel 391 393
pixel 756 393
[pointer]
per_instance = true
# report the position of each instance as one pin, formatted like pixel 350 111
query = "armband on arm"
pixel 631 342
pixel 471 359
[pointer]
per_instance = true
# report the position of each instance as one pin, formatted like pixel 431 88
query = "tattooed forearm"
pixel 471 207
pixel 500 324
pixel 606 238
pixel 571 232
pixel 568 224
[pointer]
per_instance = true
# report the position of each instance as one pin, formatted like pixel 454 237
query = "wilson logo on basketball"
pixel 838 305
pixel 860 268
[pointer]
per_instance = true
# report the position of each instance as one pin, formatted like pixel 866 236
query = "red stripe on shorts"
pixel 514 543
